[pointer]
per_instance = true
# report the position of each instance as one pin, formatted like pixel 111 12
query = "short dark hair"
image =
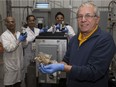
pixel 59 13
pixel 27 18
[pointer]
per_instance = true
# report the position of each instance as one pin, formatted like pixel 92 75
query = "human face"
pixel 59 19
pixel 87 20
pixel 31 22
pixel 10 23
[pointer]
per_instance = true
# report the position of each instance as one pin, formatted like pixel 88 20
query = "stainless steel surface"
pixel 56 48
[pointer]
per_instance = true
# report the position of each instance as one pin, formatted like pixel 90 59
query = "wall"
pixel 2 14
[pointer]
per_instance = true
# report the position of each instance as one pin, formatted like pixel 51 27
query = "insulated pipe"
pixel 8 8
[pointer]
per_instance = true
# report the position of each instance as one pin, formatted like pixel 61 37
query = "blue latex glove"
pixel 51 68
pixel 65 30
pixel 43 30
pixel 22 37
pixel 58 26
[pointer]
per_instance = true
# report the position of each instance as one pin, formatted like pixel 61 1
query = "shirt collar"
pixel 80 34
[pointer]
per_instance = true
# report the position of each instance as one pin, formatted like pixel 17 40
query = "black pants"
pixel 18 84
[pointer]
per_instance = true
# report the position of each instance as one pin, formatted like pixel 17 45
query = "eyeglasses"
pixel 87 16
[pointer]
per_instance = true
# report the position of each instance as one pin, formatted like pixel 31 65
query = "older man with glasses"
pixel 89 53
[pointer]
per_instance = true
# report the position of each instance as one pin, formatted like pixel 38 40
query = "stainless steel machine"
pixel 45 14
pixel 55 45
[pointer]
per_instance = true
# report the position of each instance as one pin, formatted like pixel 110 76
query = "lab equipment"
pixel 55 45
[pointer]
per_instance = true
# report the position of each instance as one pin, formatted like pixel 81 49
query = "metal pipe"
pixel 8 8
pixel 21 7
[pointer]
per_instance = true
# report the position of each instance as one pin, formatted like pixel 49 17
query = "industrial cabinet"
pixel 55 46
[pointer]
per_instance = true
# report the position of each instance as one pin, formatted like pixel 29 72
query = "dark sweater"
pixel 90 62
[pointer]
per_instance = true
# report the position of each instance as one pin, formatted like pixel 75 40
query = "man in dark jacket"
pixel 89 53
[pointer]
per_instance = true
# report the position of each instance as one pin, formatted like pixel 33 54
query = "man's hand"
pixel 22 37
pixel 51 68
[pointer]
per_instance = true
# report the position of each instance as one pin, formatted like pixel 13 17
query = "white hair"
pixel 89 3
